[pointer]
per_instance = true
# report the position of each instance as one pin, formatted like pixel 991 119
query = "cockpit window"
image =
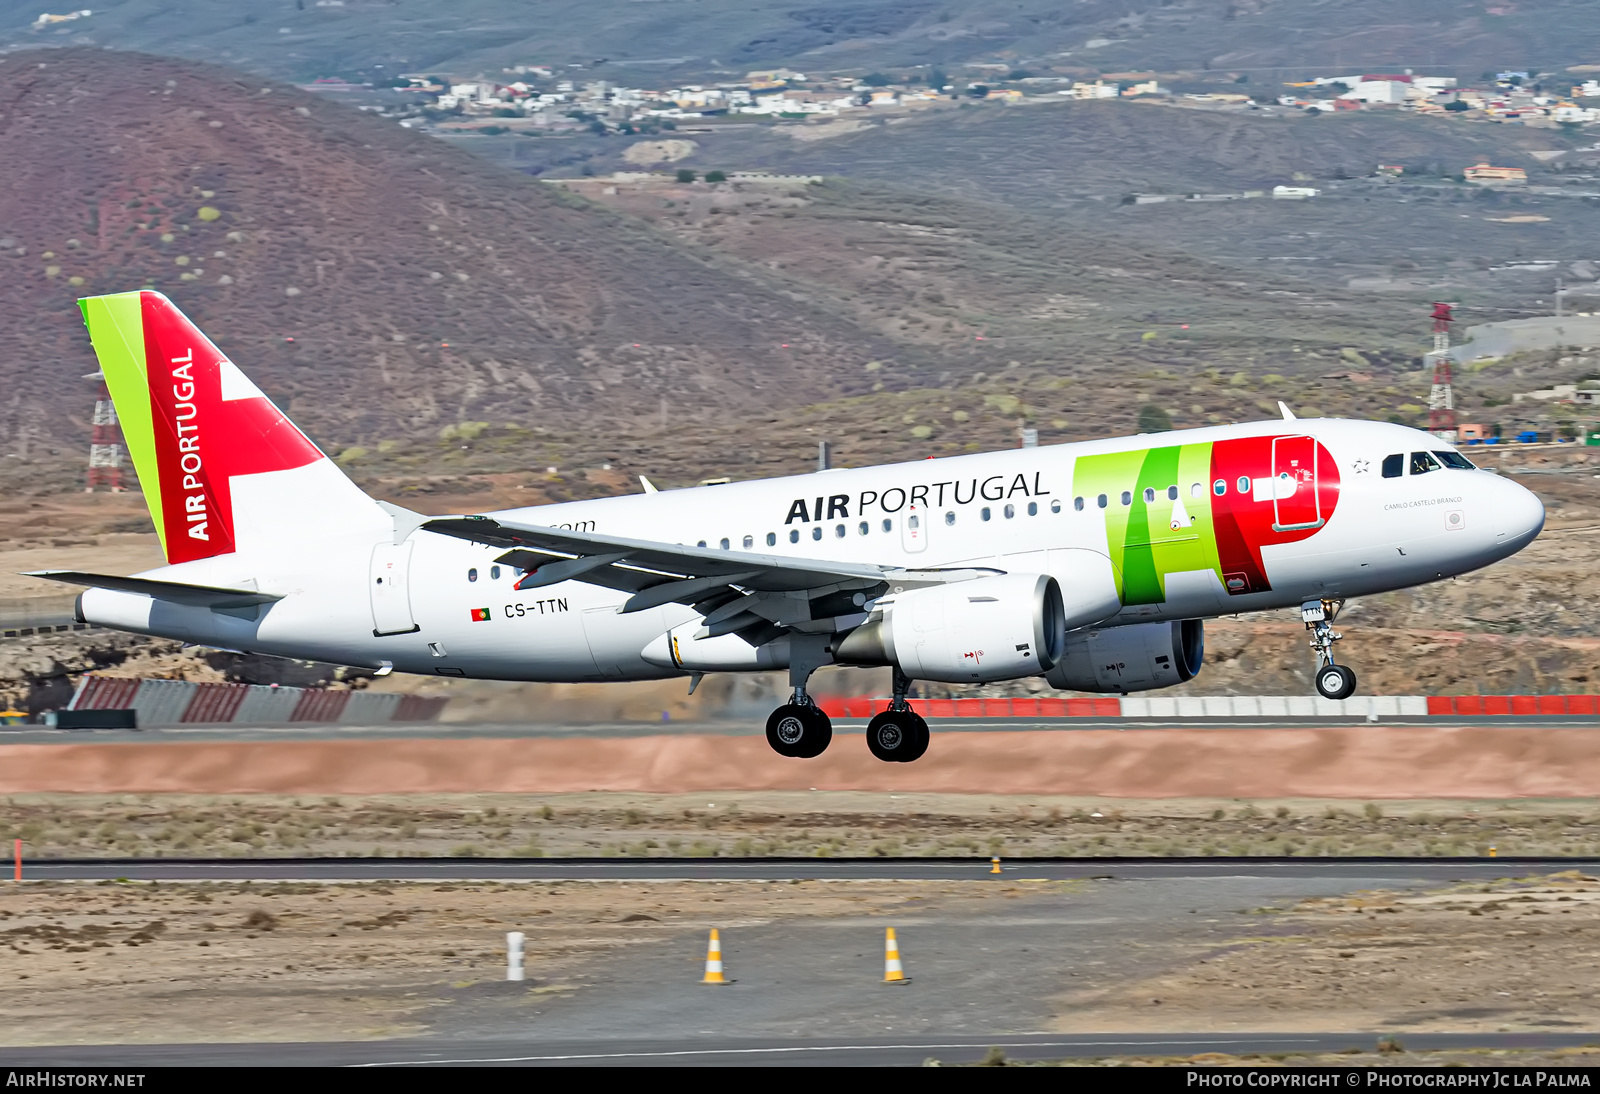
pixel 1455 460
pixel 1394 466
pixel 1422 463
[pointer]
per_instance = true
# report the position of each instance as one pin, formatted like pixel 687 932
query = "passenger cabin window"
pixel 1077 503
pixel 1033 508
pixel 1394 466
pixel 494 573
pixel 472 574
pixel 950 516
pixel 794 535
pixel 1011 511
pixel 984 514
pixel 724 543
pixel 1149 494
pixel 1243 484
pixel 1172 493
pixel 1455 460
pixel 1422 463
pixel 700 543
pixel 1220 487
pixel 772 539
pixel 913 522
pixel 816 533
pixel 888 525
pixel 865 527
pixel 749 542
pixel 1055 504
pixel 1127 497
pixel 1101 501
pixel 838 531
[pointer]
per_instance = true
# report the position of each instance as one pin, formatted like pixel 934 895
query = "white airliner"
pixel 1091 564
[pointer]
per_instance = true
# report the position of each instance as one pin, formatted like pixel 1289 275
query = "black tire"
pixel 897 736
pixel 920 745
pixel 1350 682
pixel 799 731
pixel 1335 682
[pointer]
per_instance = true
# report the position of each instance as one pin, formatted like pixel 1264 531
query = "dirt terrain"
pixel 1511 954
pixel 804 824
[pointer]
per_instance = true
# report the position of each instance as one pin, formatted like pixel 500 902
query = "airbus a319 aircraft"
pixel 1092 564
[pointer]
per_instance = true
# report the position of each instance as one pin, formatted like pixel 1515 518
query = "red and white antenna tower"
pixel 1441 400
pixel 105 443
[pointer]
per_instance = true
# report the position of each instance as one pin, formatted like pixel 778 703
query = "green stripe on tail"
pixel 116 327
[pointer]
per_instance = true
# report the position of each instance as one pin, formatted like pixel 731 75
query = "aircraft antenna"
pixel 1441 399
pixel 105 443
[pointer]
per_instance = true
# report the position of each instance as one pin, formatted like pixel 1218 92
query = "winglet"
pixel 1288 415
pixel 649 487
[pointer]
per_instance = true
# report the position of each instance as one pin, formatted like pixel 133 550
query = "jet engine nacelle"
pixel 989 628
pixel 1137 657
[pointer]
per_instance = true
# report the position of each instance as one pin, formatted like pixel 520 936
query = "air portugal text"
pixel 184 414
pixel 933 494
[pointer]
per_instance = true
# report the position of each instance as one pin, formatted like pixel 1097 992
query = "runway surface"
pixel 918 869
pixel 746 1052
pixel 729 727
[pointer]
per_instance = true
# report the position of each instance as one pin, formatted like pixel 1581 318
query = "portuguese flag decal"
pixel 480 615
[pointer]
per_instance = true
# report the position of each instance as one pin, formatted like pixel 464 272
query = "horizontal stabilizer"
pixel 200 596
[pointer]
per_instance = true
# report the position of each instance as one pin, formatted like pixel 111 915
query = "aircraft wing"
pixel 655 572
pixel 201 596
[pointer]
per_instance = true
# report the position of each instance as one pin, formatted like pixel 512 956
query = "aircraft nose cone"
pixel 1519 514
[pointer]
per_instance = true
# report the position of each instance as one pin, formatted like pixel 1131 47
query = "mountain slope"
pixel 386 282
pixel 308 38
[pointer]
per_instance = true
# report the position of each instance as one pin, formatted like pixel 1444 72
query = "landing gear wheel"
pixel 801 731
pixel 1336 682
pixel 897 736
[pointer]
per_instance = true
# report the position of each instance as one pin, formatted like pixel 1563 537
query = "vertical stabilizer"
pixel 222 469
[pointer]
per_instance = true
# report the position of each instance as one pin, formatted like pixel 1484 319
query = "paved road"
pixel 913 869
pixel 747 1052
pixel 730 727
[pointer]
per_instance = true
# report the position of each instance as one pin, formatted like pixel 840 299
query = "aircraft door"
pixel 914 528
pixel 390 584
pixel 1296 501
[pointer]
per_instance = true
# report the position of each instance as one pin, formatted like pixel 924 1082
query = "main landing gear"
pixel 799 728
pixel 898 735
pixel 1333 681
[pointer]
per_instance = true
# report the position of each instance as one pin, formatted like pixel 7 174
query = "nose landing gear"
pixel 899 734
pixel 1333 681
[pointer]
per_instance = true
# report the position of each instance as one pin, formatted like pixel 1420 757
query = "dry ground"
pixel 757 824
pixel 133 962
pixel 1512 954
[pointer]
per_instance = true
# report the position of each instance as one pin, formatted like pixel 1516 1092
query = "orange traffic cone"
pixel 995 865
pixel 714 961
pixel 893 971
